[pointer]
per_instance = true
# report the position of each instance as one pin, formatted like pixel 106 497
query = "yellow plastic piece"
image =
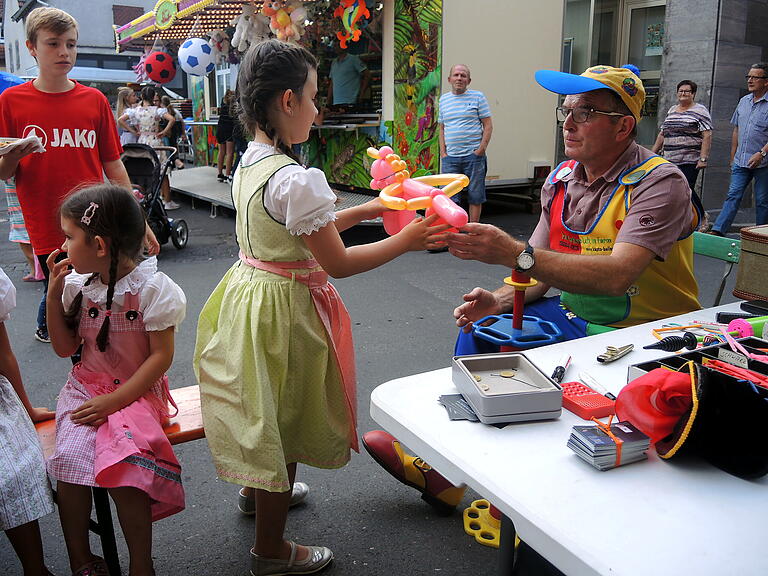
pixel 520 285
pixel 479 523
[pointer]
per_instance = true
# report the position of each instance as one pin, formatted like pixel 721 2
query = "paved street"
pixel 403 325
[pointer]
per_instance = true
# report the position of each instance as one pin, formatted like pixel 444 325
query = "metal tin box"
pixel 527 395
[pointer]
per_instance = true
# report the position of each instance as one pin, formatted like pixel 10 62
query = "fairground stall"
pixel 402 45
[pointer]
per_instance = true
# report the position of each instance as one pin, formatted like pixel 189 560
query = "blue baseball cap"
pixel 623 81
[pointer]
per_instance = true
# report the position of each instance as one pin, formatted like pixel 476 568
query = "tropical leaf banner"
pixel 418 38
pixel 413 132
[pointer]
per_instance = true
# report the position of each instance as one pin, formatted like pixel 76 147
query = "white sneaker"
pixel 171 205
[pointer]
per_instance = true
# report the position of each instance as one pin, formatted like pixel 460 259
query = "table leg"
pixel 106 530
pixel 531 563
pixel 506 547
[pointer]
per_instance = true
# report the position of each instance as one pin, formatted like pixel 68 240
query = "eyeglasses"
pixel 685 91
pixel 748 77
pixel 580 115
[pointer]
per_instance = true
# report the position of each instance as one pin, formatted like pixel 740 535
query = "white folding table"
pixel 651 518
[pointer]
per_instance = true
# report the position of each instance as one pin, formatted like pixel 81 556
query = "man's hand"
pixel 484 243
pixel 479 303
pixel 754 160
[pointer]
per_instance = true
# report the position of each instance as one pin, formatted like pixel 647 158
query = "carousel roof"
pixel 177 20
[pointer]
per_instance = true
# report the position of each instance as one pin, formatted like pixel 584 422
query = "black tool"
pixel 675 343
pixel 726 317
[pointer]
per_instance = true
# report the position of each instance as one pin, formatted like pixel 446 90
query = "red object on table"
pixel 585 402
pixel 519 301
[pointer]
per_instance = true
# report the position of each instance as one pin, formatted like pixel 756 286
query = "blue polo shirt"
pixel 751 118
pixel 461 115
pixel 345 75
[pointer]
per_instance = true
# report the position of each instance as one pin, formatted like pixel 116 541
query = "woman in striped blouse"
pixel 686 133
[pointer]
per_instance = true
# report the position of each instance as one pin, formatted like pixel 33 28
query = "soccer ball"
pixel 160 67
pixel 196 57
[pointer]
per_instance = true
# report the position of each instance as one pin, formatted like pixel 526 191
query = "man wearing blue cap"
pixel 614 237
pixel 615 233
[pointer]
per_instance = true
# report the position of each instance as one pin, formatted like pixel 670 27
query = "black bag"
pixel 727 425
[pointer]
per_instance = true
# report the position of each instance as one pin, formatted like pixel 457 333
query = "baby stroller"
pixel 146 173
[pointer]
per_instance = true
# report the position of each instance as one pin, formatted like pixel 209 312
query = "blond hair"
pixel 51 19
pixel 122 99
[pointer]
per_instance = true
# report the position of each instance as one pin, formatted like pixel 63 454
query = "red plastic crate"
pixel 585 402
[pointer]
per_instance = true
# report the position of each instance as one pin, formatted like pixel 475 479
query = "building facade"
pixel 712 42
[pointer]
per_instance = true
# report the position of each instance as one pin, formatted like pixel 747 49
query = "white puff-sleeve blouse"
pixel 163 303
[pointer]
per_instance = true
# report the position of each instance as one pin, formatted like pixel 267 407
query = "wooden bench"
pixel 185 426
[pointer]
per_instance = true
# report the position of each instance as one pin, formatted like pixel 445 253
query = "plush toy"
pixel 220 44
pixel 250 28
pixel 286 19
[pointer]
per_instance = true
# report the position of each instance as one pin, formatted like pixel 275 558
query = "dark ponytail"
pixel 267 70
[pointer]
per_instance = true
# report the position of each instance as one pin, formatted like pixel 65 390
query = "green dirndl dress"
pixel 271 389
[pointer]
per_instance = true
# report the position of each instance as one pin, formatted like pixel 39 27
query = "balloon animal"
pixel 404 195
pixel 350 12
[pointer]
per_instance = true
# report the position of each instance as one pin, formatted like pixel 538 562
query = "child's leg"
pixel 26 541
pixel 133 510
pixel 74 513
pixel 270 522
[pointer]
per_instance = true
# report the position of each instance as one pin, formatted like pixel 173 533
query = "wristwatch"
pixel 763 153
pixel 525 259
pixel 703 159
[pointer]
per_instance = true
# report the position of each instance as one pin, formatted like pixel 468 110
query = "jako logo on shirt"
pixel 65 137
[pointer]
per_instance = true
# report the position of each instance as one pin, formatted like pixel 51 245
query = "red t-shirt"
pixel 79 133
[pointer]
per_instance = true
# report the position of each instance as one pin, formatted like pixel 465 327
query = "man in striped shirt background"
pixel 465 130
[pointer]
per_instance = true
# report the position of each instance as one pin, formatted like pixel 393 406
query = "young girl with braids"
pixel 109 417
pixel 274 352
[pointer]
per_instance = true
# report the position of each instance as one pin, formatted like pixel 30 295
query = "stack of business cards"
pixel 593 445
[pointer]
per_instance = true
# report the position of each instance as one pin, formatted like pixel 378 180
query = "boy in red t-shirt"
pixel 77 129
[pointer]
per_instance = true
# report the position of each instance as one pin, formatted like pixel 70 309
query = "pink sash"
pixel 335 319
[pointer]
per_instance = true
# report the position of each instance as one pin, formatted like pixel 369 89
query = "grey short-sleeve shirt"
pixel 659 212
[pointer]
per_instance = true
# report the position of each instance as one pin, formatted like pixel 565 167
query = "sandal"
pixel 318 558
pixel 32 278
pixel 96 567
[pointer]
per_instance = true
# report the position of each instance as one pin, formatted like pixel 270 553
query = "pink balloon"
pixel 396 220
pixel 449 211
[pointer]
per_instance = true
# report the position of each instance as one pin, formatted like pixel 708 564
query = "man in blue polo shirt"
pixel 465 130
pixel 749 148
pixel 349 79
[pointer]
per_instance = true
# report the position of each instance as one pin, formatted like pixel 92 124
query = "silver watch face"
pixel 525 261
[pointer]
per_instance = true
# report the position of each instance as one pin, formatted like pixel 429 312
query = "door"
pixel 642 44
